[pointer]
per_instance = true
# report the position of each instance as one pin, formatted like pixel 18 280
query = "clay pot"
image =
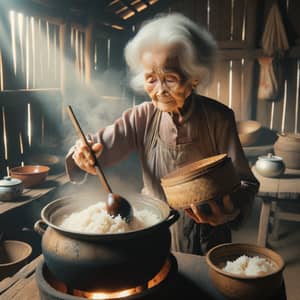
pixel 114 261
pixel 270 165
pixel 287 146
pixel 13 256
pixel 242 287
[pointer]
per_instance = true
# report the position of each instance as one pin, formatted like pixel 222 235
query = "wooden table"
pixel 193 282
pixel 273 192
pixel 34 194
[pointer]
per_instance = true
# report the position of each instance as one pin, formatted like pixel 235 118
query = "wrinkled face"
pixel 165 83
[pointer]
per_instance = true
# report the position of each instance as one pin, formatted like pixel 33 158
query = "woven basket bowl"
pixel 200 181
pixel 249 132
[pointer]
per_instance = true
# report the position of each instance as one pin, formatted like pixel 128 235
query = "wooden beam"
pixel 98 10
pixel 228 53
pixel 105 30
pixel 147 13
pixel 57 11
pixel 88 51
pixel 232 54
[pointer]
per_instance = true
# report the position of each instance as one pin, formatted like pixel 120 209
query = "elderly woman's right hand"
pixel 83 157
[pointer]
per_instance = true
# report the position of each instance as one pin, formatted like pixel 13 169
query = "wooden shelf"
pixel 29 195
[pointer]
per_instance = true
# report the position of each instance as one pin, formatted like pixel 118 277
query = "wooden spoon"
pixel 115 204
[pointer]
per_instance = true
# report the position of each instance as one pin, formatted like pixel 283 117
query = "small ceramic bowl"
pixel 13 256
pixel 31 175
pixel 240 286
pixel 270 165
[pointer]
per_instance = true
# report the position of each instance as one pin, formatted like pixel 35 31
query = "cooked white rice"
pixel 249 266
pixel 95 219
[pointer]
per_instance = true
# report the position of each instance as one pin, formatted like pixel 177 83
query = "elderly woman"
pixel 170 58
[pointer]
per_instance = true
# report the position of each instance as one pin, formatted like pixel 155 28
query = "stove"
pixel 157 288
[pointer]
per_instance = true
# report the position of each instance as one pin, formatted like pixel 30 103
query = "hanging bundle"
pixel 274 43
pixel 270 75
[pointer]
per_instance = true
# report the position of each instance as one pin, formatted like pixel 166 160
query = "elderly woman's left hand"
pixel 215 214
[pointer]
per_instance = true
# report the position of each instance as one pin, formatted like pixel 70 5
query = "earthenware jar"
pixel 270 165
pixel 287 146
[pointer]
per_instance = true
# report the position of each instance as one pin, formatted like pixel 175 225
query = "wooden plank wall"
pixel 30 97
pixel 230 23
pixel 40 69
pixel 31 53
pixel 234 25
pixel 282 115
pixel 27 124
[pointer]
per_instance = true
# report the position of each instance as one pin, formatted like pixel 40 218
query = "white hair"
pixel 197 47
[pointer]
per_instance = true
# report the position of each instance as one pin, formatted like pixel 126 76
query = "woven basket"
pixel 200 181
pixel 249 132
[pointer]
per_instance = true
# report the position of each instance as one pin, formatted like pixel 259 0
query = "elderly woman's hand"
pixel 213 213
pixel 83 157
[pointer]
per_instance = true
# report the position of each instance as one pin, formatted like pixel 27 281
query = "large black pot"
pixel 109 261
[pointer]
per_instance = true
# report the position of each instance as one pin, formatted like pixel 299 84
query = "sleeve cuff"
pixel 75 174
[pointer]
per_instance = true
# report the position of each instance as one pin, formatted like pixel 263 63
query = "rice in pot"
pixel 95 219
pixel 249 266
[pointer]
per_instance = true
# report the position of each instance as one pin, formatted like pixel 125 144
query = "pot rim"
pixel 21 170
pixel 170 217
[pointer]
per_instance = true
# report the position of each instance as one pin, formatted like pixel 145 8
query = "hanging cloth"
pixel 274 44
pixel 268 83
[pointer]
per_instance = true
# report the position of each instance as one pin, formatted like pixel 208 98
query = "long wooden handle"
pixel 80 133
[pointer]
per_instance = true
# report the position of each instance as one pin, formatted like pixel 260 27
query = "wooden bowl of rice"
pixel 245 271
pixel 200 181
